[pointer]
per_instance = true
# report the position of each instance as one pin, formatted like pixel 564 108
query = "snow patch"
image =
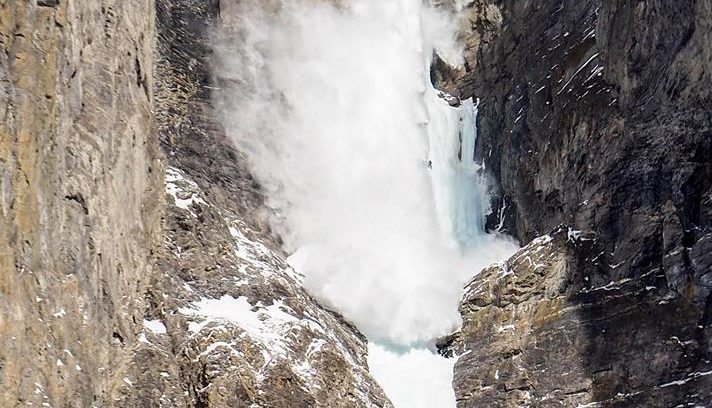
pixel 174 178
pixel 266 324
pixel 155 326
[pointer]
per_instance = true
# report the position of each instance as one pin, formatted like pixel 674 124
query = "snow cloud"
pixel 358 155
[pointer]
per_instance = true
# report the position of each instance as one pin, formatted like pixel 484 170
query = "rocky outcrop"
pixel 517 315
pixel 537 331
pixel 596 114
pixel 235 321
pixel 137 265
pixel 80 193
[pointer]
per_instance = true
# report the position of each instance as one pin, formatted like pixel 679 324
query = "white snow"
pixel 690 377
pixel 589 405
pixel 413 377
pixel 304 368
pixel 266 324
pixel 505 328
pixel 247 249
pixel 609 286
pixel 143 339
pixel 588 61
pixel 573 235
pixel 156 326
pixel 542 240
pixel 173 180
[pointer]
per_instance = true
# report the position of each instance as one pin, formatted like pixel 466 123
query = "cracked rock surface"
pixel 594 114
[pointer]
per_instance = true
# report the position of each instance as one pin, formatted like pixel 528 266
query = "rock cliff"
pixel 593 114
pixel 81 195
pixel 137 266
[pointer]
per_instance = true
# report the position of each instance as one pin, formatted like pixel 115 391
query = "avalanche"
pixel 372 173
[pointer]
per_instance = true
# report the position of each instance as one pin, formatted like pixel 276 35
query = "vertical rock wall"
pixel 595 114
pixel 80 186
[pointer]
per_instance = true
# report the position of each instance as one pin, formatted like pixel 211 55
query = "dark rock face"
pixel 47 3
pixel 549 328
pixel 597 114
pixel 603 110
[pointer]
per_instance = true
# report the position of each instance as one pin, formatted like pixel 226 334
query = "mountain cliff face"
pixel 593 114
pixel 136 264
pixel 81 194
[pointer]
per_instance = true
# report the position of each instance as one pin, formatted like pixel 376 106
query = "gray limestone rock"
pixel 552 327
pixel 596 114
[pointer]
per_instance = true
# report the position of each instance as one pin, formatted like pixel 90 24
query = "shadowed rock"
pixel 596 114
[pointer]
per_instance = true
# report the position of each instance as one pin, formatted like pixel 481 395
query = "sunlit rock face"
pixel 594 114
pixel 238 324
pixel 519 318
pixel 80 197
pixel 544 315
